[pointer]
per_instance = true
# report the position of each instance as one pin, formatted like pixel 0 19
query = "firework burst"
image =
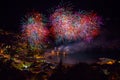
pixel 34 30
pixel 67 25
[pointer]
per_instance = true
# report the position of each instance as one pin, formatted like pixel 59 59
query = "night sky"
pixel 13 11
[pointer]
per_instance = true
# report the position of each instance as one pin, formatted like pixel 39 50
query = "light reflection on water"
pixel 81 57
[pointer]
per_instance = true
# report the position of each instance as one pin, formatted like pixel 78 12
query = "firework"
pixel 67 25
pixel 34 31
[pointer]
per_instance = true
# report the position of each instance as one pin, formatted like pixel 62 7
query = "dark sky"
pixel 12 11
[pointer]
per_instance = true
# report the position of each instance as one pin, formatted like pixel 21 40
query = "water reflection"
pixel 81 57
